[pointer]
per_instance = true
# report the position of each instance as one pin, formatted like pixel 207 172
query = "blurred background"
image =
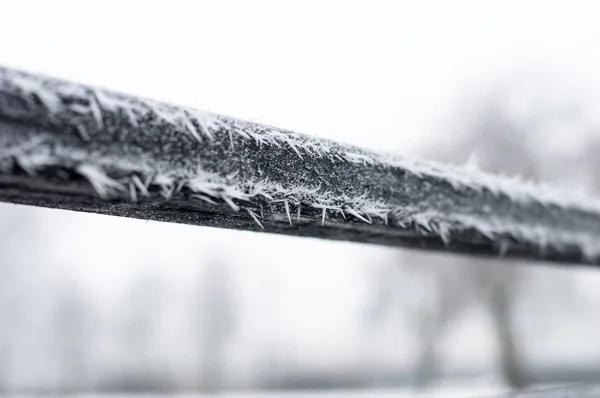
pixel 94 304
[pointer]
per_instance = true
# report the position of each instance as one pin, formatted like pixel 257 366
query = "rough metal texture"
pixel 70 146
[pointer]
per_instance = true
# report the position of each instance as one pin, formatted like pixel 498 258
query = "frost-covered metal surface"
pixel 75 147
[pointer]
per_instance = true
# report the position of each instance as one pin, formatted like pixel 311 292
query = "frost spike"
pixel 287 210
pixel 255 218
pixel 191 129
pixel 140 185
pixel 229 201
pixel 26 165
pixel 204 198
pixel 132 192
pixel 95 110
pixel 357 215
pixel 102 183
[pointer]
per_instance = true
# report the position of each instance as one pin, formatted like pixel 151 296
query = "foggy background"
pixel 92 304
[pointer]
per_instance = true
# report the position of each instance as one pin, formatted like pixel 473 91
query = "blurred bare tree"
pixel 15 227
pixel 140 322
pixel 449 298
pixel 497 139
pixel 215 323
pixel 71 339
pixel 501 144
pixel 7 229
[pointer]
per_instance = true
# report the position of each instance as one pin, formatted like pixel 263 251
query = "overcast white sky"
pixel 379 74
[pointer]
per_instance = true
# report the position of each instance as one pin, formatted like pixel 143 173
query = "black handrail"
pixel 70 146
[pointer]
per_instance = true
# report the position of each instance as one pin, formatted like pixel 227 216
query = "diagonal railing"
pixel 70 146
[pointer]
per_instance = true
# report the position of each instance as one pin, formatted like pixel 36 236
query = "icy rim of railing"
pixel 149 159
